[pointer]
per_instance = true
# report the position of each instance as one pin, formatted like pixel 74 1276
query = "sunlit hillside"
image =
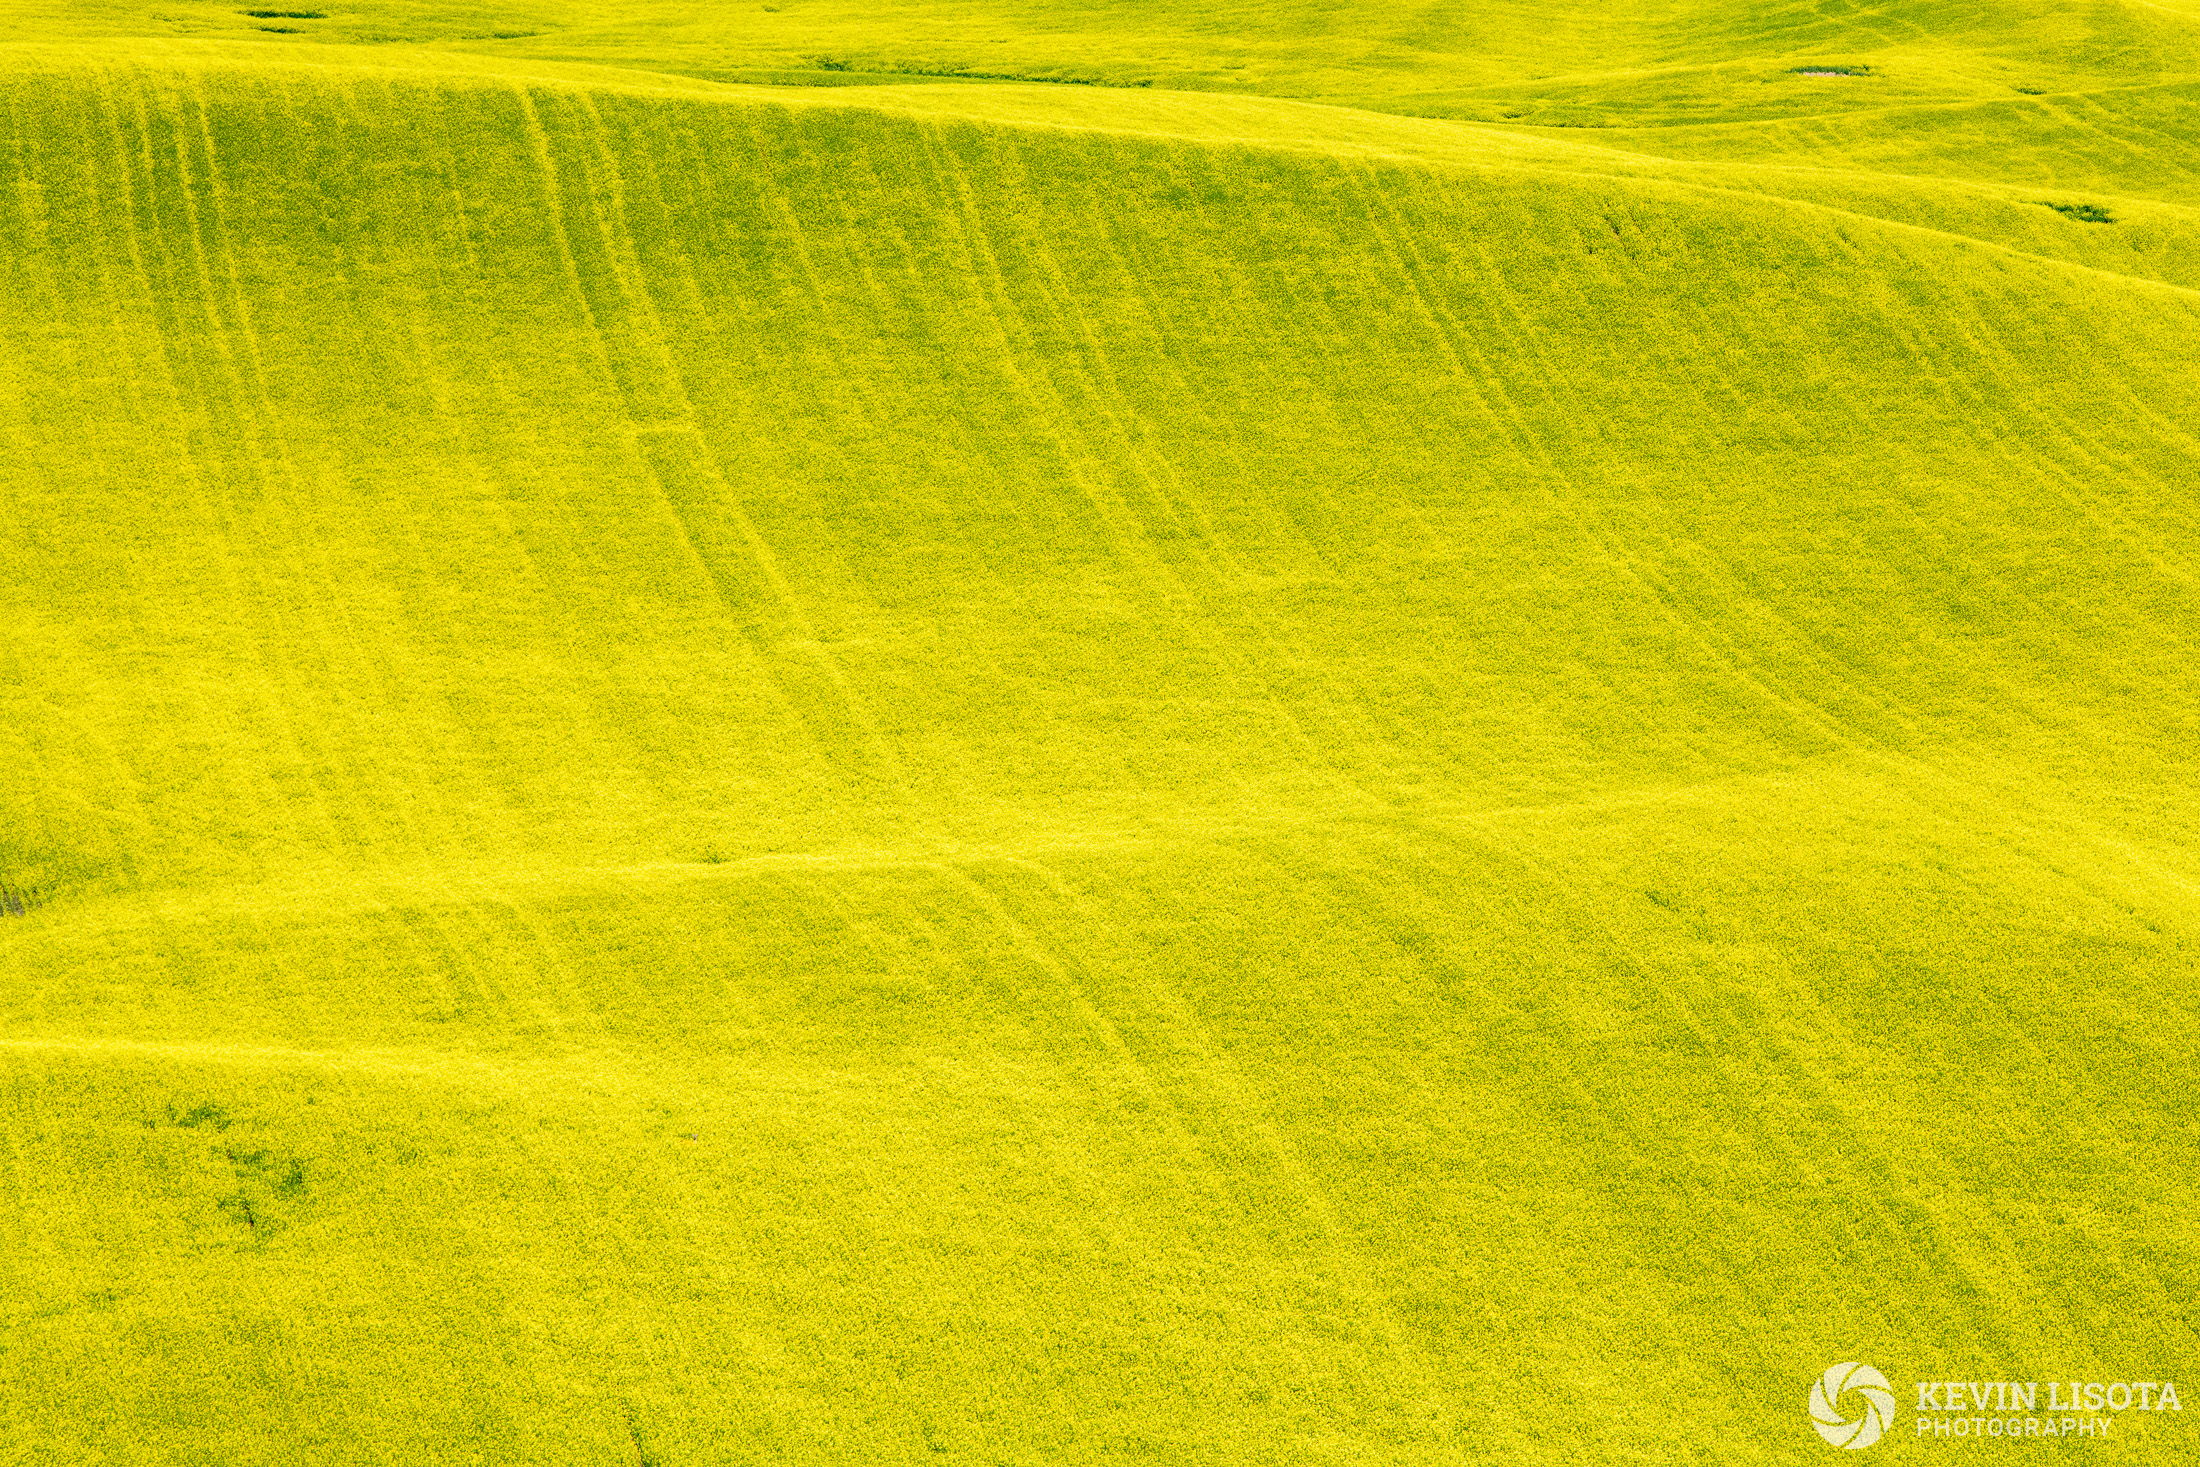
pixel 1406 740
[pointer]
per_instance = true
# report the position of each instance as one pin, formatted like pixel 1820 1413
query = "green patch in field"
pixel 2089 213
pixel 206 1113
pixel 921 71
pixel 32 875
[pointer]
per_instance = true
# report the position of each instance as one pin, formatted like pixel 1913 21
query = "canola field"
pixel 1010 733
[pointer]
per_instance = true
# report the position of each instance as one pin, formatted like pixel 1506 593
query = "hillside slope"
pixel 1566 62
pixel 724 775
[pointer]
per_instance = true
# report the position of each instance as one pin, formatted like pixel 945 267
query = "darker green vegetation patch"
pixel 262 1182
pixel 1829 71
pixel 2090 213
pixel 204 1114
pixel 263 1189
pixel 962 73
pixel 32 876
pixel 284 15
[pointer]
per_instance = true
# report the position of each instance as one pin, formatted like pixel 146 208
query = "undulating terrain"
pixel 1011 733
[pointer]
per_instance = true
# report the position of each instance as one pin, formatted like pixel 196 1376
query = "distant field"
pixel 1300 734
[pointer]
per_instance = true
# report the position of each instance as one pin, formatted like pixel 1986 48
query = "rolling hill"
pixel 1254 764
